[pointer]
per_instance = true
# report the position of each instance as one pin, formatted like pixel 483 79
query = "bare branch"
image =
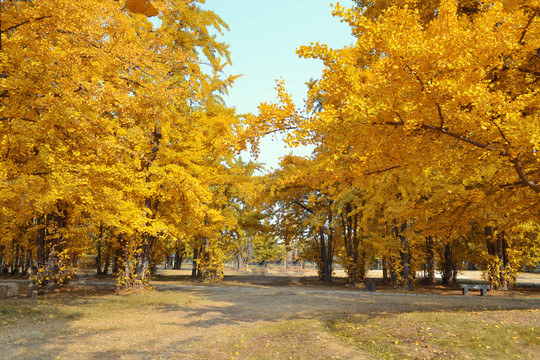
pixel 396 123
pixel 93 123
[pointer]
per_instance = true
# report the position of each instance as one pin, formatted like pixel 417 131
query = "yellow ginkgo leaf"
pixel 141 7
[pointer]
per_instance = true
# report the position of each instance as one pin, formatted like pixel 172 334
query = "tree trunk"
pixel 99 245
pixel 118 254
pixel 27 261
pixel 385 270
pixel 501 276
pixel 36 279
pixel 240 260
pixel 355 263
pixel 3 266
pixel 210 270
pixel 53 269
pixel 194 266
pixel 138 264
pixel 249 249
pixel 127 277
pixel 448 266
pixel 326 251
pixel 430 261
pixel 404 255
pixel 144 260
pixel 107 262
pixel 16 254
pixel 406 262
pixel 40 241
pixel 178 258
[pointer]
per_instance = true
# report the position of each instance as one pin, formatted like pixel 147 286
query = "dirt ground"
pixel 262 315
pixel 528 284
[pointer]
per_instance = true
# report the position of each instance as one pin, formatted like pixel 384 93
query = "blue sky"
pixel 263 39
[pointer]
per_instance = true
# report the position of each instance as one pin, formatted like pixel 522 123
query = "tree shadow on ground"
pixel 176 318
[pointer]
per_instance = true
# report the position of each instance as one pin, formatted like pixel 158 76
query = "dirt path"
pixel 233 320
pixel 245 301
pixel 244 307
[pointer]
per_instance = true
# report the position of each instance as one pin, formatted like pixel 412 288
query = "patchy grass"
pixel 513 334
pixel 89 308
pixel 155 324
pixel 76 327
pixel 188 321
pixel 303 339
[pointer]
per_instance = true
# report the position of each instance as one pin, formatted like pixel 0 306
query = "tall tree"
pixel 442 94
pixel 106 118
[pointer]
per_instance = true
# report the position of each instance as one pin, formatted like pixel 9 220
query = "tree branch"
pixel 303 206
pixel 86 38
pixel 441 117
pixel 520 42
pixel 25 22
pixel 515 161
pixel 501 132
pixel 533 185
pixel 460 137
pixel 513 185
pixel 381 171
pixel 414 74
pixel 11 118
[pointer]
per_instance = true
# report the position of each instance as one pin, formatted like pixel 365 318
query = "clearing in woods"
pixel 268 317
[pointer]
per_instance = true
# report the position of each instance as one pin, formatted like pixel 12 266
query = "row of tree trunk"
pixel 355 263
pixel 135 259
pixel 15 259
pixel 500 274
pixel 397 269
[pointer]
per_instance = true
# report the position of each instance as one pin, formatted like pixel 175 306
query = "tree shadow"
pixel 192 310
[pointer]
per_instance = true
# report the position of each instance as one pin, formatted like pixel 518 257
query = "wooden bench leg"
pixel 465 291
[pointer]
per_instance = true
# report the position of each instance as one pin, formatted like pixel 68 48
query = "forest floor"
pixel 270 314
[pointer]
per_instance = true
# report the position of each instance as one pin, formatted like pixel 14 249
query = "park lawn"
pixel 508 334
pixel 255 323
pixel 153 325
pixel 84 326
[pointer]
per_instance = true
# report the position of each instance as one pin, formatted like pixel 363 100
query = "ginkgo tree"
pixel 107 119
pixel 304 208
pixel 437 90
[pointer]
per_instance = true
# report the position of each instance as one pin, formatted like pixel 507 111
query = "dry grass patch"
pixel 510 334
pixel 264 321
pixel 302 339
pixel 186 324
pixel 109 326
